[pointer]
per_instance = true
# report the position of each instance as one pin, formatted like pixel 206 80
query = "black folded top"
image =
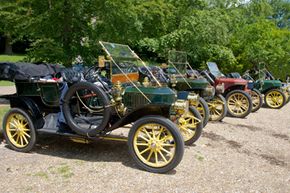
pixel 24 71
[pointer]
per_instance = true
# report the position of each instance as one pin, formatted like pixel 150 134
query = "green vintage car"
pixel 121 68
pixel 275 95
pixel 85 107
pixel 188 82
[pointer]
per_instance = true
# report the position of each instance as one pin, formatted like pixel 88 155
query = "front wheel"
pixel 190 125
pixel 156 144
pixel 217 108
pixel 203 109
pixel 18 130
pixel 239 103
pixel 257 100
pixel 275 99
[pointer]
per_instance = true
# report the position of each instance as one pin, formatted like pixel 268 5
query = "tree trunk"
pixel 8 44
pixel 67 32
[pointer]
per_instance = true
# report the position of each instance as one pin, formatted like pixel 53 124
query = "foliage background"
pixel 236 34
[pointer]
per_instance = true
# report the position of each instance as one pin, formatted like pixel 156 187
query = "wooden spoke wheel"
pixel 217 108
pixel 190 125
pixel 203 110
pixel 156 144
pixel 275 99
pixel 19 131
pixel 239 103
pixel 256 99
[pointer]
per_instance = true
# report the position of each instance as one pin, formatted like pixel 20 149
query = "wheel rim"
pixel 238 104
pixel 18 130
pixel 187 124
pixel 255 99
pixel 216 108
pixel 154 145
pixel 274 99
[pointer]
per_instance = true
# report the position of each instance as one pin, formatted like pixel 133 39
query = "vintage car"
pixel 276 94
pixel 239 102
pixel 120 70
pixel 185 81
pixel 60 101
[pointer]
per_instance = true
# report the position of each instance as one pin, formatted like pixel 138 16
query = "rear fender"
pixel 29 106
pixel 235 87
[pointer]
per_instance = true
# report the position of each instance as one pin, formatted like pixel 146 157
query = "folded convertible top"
pixel 24 71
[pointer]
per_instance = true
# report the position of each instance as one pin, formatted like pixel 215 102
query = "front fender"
pixel 150 109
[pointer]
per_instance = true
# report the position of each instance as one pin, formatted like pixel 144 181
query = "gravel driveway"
pixel 236 155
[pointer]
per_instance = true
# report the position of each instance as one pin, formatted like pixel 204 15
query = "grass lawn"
pixel 6 83
pixel 3 110
pixel 11 58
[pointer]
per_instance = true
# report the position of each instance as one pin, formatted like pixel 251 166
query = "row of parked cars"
pixel 165 107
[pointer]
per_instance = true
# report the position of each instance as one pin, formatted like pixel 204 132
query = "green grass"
pixel 6 83
pixel 11 58
pixel 3 110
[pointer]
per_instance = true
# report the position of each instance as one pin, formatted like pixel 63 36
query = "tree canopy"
pixel 236 34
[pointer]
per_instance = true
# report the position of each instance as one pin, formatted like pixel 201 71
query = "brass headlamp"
pixel 193 99
pixel 180 106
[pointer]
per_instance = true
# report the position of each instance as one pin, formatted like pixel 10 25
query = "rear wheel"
pixel 239 103
pixel 203 110
pixel 190 125
pixel 217 108
pixel 257 100
pixel 275 99
pixel 156 144
pixel 18 130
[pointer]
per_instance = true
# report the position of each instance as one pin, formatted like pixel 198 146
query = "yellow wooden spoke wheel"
pixel 239 103
pixel 217 108
pixel 275 99
pixel 203 110
pixel 18 130
pixel 256 100
pixel 156 144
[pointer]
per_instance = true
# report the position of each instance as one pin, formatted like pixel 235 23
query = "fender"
pixel 30 107
pixel 150 109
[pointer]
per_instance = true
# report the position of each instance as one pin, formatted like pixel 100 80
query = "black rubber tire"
pixel 199 127
pixel 248 97
pixel 33 135
pixel 256 108
pixel 204 105
pixel 67 111
pixel 277 90
pixel 225 108
pixel 178 139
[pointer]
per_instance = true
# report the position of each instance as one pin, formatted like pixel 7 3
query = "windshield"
pixel 213 68
pixel 178 60
pixel 124 57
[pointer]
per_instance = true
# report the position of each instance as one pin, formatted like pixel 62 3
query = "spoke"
pixel 13 124
pixel 145 150
pixel 17 139
pixel 146 132
pixel 144 138
pixel 25 139
pixel 149 156
pixel 156 157
pixel 161 130
pixel 26 134
pixel 21 140
pixel 167 145
pixel 216 112
pixel 14 135
pixel 168 152
pixel 163 157
pixel 142 144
